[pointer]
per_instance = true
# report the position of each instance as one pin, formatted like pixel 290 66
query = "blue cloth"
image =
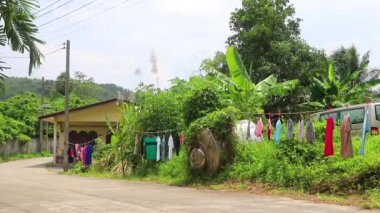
pixel 163 147
pixel 89 151
pixel 364 130
pixel 277 133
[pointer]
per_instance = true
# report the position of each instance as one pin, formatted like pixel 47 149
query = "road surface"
pixel 27 186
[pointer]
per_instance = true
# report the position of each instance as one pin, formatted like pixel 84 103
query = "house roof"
pixel 81 108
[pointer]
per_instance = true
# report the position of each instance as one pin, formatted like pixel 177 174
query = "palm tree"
pixel 19 32
pixel 335 92
pixel 348 60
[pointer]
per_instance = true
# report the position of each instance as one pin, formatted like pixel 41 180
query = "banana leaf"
pixel 237 70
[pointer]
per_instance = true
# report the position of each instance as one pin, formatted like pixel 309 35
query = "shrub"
pixel 201 103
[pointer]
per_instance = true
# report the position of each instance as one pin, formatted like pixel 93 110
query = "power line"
pixel 50 11
pixel 95 15
pixel 62 16
pixel 47 7
pixel 48 53
pixel 60 28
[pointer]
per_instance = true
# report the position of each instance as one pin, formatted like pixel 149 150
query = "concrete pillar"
pixel 55 143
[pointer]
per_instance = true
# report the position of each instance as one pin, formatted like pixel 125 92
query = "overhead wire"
pixel 47 7
pixel 45 54
pixel 56 8
pixel 66 14
pixel 70 18
pixel 93 16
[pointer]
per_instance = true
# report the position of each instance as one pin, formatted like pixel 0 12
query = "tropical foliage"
pixel 246 95
pixel 19 31
pixel 335 92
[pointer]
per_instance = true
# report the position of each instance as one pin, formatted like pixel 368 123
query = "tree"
pixel 335 92
pixel 60 84
pixel 86 88
pixel 266 34
pixel 348 60
pixel 19 31
pixel 218 62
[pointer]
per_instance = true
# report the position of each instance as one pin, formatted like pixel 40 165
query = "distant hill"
pixel 17 85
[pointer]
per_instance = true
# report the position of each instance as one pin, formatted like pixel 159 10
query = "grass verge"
pixel 7 158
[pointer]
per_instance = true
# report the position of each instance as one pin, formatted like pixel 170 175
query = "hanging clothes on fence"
pixel 310 134
pixel 301 133
pixel 158 148
pixel 83 155
pixel 277 134
pixel 364 130
pixel 89 151
pixel 259 130
pixel 345 138
pixel 329 146
pixel 269 129
pixel 71 154
pixel 177 144
pixel 290 129
pixel 163 148
pixel 171 146
pixel 150 147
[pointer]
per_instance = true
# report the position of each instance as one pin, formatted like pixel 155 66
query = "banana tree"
pixel 245 95
pixel 335 93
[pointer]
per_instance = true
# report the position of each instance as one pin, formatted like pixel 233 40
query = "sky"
pixel 110 39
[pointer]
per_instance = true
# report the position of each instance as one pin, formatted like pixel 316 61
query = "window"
pixel 324 116
pixel 377 110
pixel 356 115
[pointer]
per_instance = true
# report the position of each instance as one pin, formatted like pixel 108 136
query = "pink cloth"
pixel 259 128
pixel 84 155
pixel 72 152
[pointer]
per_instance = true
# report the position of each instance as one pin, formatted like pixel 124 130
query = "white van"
pixel 356 113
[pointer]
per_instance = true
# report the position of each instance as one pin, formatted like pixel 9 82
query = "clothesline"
pixel 284 113
pixel 154 132
pixel 109 132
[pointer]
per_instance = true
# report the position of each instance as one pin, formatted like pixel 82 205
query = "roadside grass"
pixel 7 158
pixel 292 169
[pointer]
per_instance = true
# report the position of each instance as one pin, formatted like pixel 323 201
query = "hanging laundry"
pixel 89 151
pixel 301 133
pixel 158 148
pixel 329 146
pixel 345 138
pixel 163 148
pixel 364 130
pixel 310 134
pixel 83 155
pixel 177 144
pixel 290 130
pixel 137 145
pixel 171 146
pixel 259 129
pixel 150 148
pixel 269 129
pixel 277 133
pixel 181 138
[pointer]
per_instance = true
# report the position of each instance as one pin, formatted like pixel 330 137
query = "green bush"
pixel 201 103
pixel 175 171
pixel 22 138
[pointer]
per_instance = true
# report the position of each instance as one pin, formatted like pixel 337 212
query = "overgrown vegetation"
pixel 6 158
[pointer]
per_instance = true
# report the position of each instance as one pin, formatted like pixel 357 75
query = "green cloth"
pixel 150 147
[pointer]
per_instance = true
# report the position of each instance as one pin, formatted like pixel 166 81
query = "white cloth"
pixel 158 148
pixel 241 131
pixel 301 133
pixel 171 146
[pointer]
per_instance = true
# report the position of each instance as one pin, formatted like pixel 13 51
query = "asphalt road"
pixel 27 186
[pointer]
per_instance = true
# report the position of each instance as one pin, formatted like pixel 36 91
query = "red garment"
pixel 72 152
pixel 329 147
pixel 269 129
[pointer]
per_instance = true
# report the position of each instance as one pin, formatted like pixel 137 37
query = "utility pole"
pixel 40 144
pixel 67 84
